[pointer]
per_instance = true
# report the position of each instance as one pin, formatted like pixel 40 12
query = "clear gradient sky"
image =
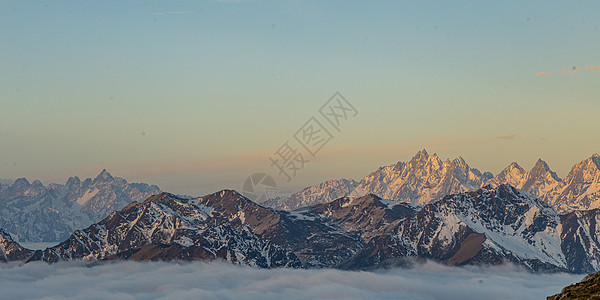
pixel 196 95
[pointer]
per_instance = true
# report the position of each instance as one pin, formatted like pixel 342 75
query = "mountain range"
pixel 426 178
pixel 32 212
pixel 422 209
pixel 491 225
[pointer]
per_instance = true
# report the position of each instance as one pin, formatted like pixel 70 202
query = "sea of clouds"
pixel 220 280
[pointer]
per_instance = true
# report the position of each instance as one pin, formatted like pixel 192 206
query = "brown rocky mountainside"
pixel 492 225
pixel 588 288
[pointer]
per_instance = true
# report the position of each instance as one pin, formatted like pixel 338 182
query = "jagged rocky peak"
pixel 5 235
pixel 541 168
pixel 34 212
pixel 595 158
pixel 426 178
pixel 423 160
pixel 422 179
pixel 36 188
pixel 20 185
pixel 512 169
pixel 513 175
pixel 421 155
pixel 104 176
pixel 460 162
pixel 73 183
pixel 580 190
pixel 539 181
pixel 515 166
pixel 593 161
pixel 11 250
pixel 37 184
pixel 86 182
pixel 586 170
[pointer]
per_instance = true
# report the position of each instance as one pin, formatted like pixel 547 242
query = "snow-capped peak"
pixel 426 178
pixel 580 190
pixel 421 156
pixel 541 168
pixel 64 208
pixel 513 175
pixel 460 162
pixel 515 166
pixel 595 158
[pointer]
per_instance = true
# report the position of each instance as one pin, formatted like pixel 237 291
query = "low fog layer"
pixel 218 280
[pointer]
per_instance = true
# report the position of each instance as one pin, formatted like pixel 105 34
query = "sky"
pixel 195 96
pixel 222 280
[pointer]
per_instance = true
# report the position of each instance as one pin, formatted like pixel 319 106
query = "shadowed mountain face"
pixel 426 178
pixel 32 212
pixel 223 225
pixel 486 226
pixel 168 227
pixel 11 250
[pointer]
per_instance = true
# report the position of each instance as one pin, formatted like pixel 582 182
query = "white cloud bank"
pixel 216 280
